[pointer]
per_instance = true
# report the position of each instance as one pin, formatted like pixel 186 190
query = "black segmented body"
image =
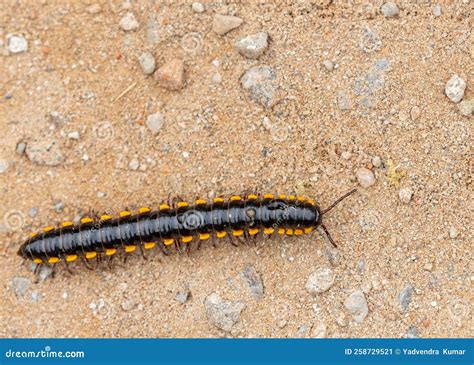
pixel 284 215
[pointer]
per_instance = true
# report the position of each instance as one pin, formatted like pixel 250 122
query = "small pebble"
pixel 320 331
pixel 466 107
pixel 405 195
pixel 320 281
pixel 217 78
pixel 346 155
pixel 389 9
pixel 254 282
pixel 253 45
pixel 32 212
pixel 197 7
pixel 20 286
pixel 183 295
pixel 437 10
pixel 365 177
pixel 415 113
pixel 261 82
pixel 404 298
pixel 171 75
pixel 356 304
pixel 223 24
pixel 455 88
pixel 412 332
pixel 328 64
pixel 376 161
pixel 44 152
pixel 129 22
pixel 223 315
pixel 453 232
pixel 101 194
pixel 20 148
pixel 45 272
pixel 134 164
pixel 35 296
pixel 58 207
pixel 94 9
pixel 3 166
pixel 127 305
pixel 428 266
pixel 155 122
pixel 147 63
pixel 73 135
pixel 17 44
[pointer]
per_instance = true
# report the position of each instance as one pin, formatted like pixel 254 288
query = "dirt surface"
pixel 79 99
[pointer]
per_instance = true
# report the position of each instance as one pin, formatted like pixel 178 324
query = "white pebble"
pixel 455 88
pixel 253 45
pixel 466 107
pixel 94 9
pixel 17 44
pixel 134 164
pixel 346 155
pixel 376 161
pixel 320 280
pixel 155 122
pixel 197 7
pixel 405 195
pixel 73 135
pixel 147 63
pixel 328 65
pixel 453 232
pixel 389 9
pixel 365 177
pixel 217 78
pixel 437 10
pixel 356 304
pixel 128 22
pixel 3 166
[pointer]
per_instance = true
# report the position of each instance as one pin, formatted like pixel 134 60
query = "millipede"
pixel 101 238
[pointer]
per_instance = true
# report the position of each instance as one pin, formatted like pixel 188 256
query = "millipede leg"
pixel 109 262
pixel 323 227
pixel 163 249
pixel 68 267
pixel 53 270
pixel 142 251
pixel 86 263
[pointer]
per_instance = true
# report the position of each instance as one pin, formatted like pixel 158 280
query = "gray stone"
pixel 3 166
pixel 466 107
pixel 147 63
pixel 261 82
pixel 20 148
pixel 129 22
pixel 20 286
pixel 59 206
pixel 370 41
pixel 389 9
pixel 320 280
pixel 223 24
pixel 253 45
pixel 455 88
pixel 437 10
pixel 155 122
pixel 356 304
pixel 183 295
pixel 404 298
pixel 254 282
pixel 32 212
pixel 223 315
pixel 412 332
pixel 365 177
pixel 17 44
pixel 45 272
pixel 44 152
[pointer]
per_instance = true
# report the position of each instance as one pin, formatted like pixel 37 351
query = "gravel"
pixel 320 280
pixel 320 331
pixel 20 286
pixel 155 122
pixel 254 282
pixel 32 212
pixel 183 296
pixel 405 195
pixel 389 10
pixel 376 161
pixel 466 107
pixel 44 152
pixel 253 45
pixel 147 63
pixel 404 298
pixel 17 44
pixel 223 315
pixel 453 232
pixel 58 207
pixel 20 148
pixel 129 22
pixel 171 74
pixel 74 135
pixel 261 82
pixel 365 177
pixel 134 164
pixel 455 88
pixel 223 24
pixel 356 304
pixel 198 7
pixel 94 9
pixel 3 166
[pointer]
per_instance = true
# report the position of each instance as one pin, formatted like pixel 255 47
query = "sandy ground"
pixel 411 263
